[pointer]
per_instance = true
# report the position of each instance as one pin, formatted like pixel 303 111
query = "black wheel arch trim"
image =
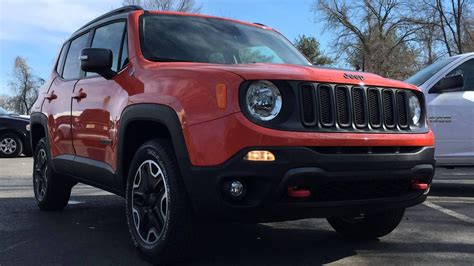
pixel 158 113
pixel 42 120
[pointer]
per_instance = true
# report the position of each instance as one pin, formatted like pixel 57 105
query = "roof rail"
pixel 114 12
pixel 260 24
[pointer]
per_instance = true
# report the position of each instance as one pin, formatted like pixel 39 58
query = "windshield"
pixel 423 75
pixel 3 111
pixel 171 38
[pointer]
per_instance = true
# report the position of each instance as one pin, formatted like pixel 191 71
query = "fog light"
pixel 260 156
pixel 236 189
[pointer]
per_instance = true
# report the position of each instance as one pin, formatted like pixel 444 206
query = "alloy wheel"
pixel 8 146
pixel 149 202
pixel 40 174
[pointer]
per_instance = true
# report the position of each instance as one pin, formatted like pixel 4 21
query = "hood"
pixel 25 118
pixel 309 73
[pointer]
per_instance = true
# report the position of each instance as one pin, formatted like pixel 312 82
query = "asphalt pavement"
pixel 92 230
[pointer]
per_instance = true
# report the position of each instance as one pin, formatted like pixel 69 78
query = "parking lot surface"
pixel 92 230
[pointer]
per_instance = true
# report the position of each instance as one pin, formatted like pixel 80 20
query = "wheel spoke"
pixel 149 201
pixel 156 219
pixel 139 198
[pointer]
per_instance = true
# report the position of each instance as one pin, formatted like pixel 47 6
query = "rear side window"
pixel 466 69
pixel 110 37
pixel 72 67
pixel 60 64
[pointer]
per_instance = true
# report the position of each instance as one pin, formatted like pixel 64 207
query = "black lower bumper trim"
pixel 339 183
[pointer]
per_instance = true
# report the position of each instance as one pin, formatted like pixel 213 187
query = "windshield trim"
pixel 172 60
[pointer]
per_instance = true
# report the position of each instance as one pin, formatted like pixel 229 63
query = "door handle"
pixel 51 96
pixel 80 95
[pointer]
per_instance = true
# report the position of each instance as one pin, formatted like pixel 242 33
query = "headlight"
pixel 263 100
pixel 414 107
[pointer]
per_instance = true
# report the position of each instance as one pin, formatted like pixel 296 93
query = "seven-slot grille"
pixel 353 107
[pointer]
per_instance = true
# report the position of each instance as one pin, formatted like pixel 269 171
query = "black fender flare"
pixel 159 113
pixel 38 119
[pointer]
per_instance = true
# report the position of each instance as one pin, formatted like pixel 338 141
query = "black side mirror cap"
pixel 97 60
pixel 448 84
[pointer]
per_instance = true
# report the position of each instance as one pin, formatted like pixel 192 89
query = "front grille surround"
pixel 357 108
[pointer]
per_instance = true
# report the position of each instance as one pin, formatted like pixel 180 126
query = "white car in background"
pixel 448 85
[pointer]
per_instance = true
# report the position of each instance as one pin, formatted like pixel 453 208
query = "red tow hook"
pixel 416 185
pixel 295 192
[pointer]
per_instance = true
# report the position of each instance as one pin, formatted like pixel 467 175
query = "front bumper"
pixel 340 184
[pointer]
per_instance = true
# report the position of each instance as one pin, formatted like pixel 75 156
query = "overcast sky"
pixel 35 29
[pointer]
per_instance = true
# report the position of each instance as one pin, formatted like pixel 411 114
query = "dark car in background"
pixel 14 135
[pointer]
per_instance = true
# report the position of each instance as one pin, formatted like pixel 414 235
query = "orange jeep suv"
pixel 194 118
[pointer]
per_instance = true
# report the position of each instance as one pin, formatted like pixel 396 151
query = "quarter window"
pixel 124 56
pixel 72 67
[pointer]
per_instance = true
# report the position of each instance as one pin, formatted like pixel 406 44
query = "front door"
pixel 96 107
pixel 452 119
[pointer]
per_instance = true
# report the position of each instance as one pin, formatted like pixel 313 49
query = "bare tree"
pixel 449 22
pixel 189 6
pixel 24 86
pixel 373 35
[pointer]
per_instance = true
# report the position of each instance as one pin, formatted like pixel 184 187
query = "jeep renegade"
pixel 192 117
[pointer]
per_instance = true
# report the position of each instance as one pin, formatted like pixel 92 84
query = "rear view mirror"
pixel 448 84
pixel 97 60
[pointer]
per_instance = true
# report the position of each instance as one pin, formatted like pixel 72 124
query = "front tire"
pixel 368 226
pixel 158 213
pixel 10 145
pixel 52 191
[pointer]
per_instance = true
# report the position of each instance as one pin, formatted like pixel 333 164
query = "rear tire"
pixel 367 226
pixel 52 191
pixel 159 216
pixel 10 145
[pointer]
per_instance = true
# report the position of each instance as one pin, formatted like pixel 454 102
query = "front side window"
pixel 466 69
pixel 72 66
pixel 110 37
pixel 210 40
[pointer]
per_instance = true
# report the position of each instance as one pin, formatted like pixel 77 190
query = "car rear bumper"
pixel 340 183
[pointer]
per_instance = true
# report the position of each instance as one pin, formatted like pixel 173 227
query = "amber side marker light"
pixel 260 156
pixel 221 95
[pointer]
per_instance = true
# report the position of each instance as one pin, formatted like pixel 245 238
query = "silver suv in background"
pixel 448 85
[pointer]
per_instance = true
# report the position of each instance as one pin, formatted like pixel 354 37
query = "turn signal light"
pixel 260 156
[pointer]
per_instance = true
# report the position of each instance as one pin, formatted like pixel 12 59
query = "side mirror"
pixel 97 60
pixel 447 84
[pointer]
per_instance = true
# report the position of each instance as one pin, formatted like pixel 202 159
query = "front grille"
pixel 359 108
pixel 343 106
pixel 388 110
pixel 325 105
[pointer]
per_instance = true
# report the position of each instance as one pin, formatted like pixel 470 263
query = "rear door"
pixel 57 105
pixel 95 114
pixel 452 119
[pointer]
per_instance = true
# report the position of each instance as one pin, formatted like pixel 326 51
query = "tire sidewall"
pixel 42 145
pixel 19 145
pixel 149 152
